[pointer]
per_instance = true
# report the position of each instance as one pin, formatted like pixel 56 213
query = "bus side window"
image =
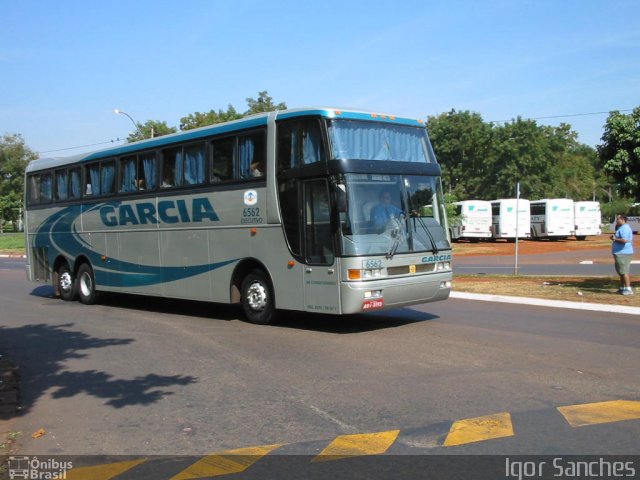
pixel 299 143
pixel 251 155
pixel 92 180
pixel 107 177
pixel 223 153
pixel 45 188
pixel 147 173
pixel 62 185
pixel 34 189
pixel 74 183
pixel 128 174
pixel 194 165
pixel 171 167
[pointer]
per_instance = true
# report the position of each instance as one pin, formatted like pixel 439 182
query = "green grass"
pixel 12 243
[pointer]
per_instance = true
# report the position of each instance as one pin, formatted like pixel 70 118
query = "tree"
pixel 150 129
pixel 620 151
pixel 197 119
pixel 14 157
pixel 462 142
pixel 264 103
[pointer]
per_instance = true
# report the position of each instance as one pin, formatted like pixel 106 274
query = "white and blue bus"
pixel 472 220
pixel 316 210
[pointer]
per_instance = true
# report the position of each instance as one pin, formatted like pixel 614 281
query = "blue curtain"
pixel 45 188
pixel 311 144
pixel 128 182
pixel 246 154
pixel 150 174
pixel 108 176
pixel 178 173
pixel 93 188
pixel 295 161
pixel 62 188
pixel 75 183
pixel 360 140
pixel 194 166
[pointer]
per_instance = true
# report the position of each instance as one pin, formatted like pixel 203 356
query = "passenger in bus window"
pixel 167 179
pixel 257 169
pixel 382 213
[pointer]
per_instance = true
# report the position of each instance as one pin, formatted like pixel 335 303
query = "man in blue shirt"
pixel 382 213
pixel 622 249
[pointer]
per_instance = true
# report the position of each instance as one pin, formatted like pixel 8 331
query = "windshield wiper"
pixel 434 247
pixel 396 235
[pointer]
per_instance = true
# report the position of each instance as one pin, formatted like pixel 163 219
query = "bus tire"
pixel 86 284
pixel 66 283
pixel 581 237
pixel 257 298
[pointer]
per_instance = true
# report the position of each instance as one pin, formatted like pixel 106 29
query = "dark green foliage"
pixel 620 151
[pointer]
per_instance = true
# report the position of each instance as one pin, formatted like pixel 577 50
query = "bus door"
pixel 321 285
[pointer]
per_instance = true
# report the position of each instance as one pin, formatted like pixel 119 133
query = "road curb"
pixel 404 443
pixel 540 302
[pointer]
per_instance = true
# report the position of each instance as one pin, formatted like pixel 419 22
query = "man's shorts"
pixel 623 263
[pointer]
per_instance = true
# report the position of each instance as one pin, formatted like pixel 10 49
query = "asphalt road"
pixel 146 376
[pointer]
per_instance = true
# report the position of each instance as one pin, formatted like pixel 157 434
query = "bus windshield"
pixel 360 140
pixel 389 214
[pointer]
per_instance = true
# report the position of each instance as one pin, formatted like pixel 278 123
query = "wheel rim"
pixel 257 296
pixel 65 282
pixel 86 285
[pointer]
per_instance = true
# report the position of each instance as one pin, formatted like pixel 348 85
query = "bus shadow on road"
pixel 337 324
pixel 350 324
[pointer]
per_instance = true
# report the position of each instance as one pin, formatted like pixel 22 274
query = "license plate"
pixel 373 304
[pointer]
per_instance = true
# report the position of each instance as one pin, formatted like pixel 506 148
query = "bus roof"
pixel 252 121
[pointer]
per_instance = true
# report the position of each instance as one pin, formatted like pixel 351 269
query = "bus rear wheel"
pixel 66 283
pixel 257 298
pixel 86 285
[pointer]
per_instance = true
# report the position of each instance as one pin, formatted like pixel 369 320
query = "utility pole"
pixel 515 265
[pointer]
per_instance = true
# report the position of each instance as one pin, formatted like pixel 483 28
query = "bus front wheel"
pixel 86 284
pixel 257 298
pixel 66 283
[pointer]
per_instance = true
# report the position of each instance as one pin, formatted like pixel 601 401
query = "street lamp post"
pixel 135 124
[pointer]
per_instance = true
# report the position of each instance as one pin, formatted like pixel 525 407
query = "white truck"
pixel 504 218
pixel 587 219
pixel 552 218
pixel 472 220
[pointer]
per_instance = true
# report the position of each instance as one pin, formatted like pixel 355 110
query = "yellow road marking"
pixel 480 428
pixel 224 463
pixel 346 446
pixel 601 412
pixel 102 472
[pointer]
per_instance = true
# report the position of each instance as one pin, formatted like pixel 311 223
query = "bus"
pixel 587 219
pixel 315 210
pixel 504 219
pixel 472 222
pixel 552 218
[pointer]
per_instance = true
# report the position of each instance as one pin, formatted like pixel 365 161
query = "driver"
pixel 382 213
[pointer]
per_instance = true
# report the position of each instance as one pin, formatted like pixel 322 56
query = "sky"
pixel 66 65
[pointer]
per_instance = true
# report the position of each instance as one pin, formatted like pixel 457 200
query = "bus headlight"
pixel 373 294
pixel 442 266
pixel 372 273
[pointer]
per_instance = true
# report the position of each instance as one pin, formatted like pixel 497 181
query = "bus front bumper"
pixel 358 297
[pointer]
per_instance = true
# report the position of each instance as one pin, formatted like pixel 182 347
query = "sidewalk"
pixel 540 302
